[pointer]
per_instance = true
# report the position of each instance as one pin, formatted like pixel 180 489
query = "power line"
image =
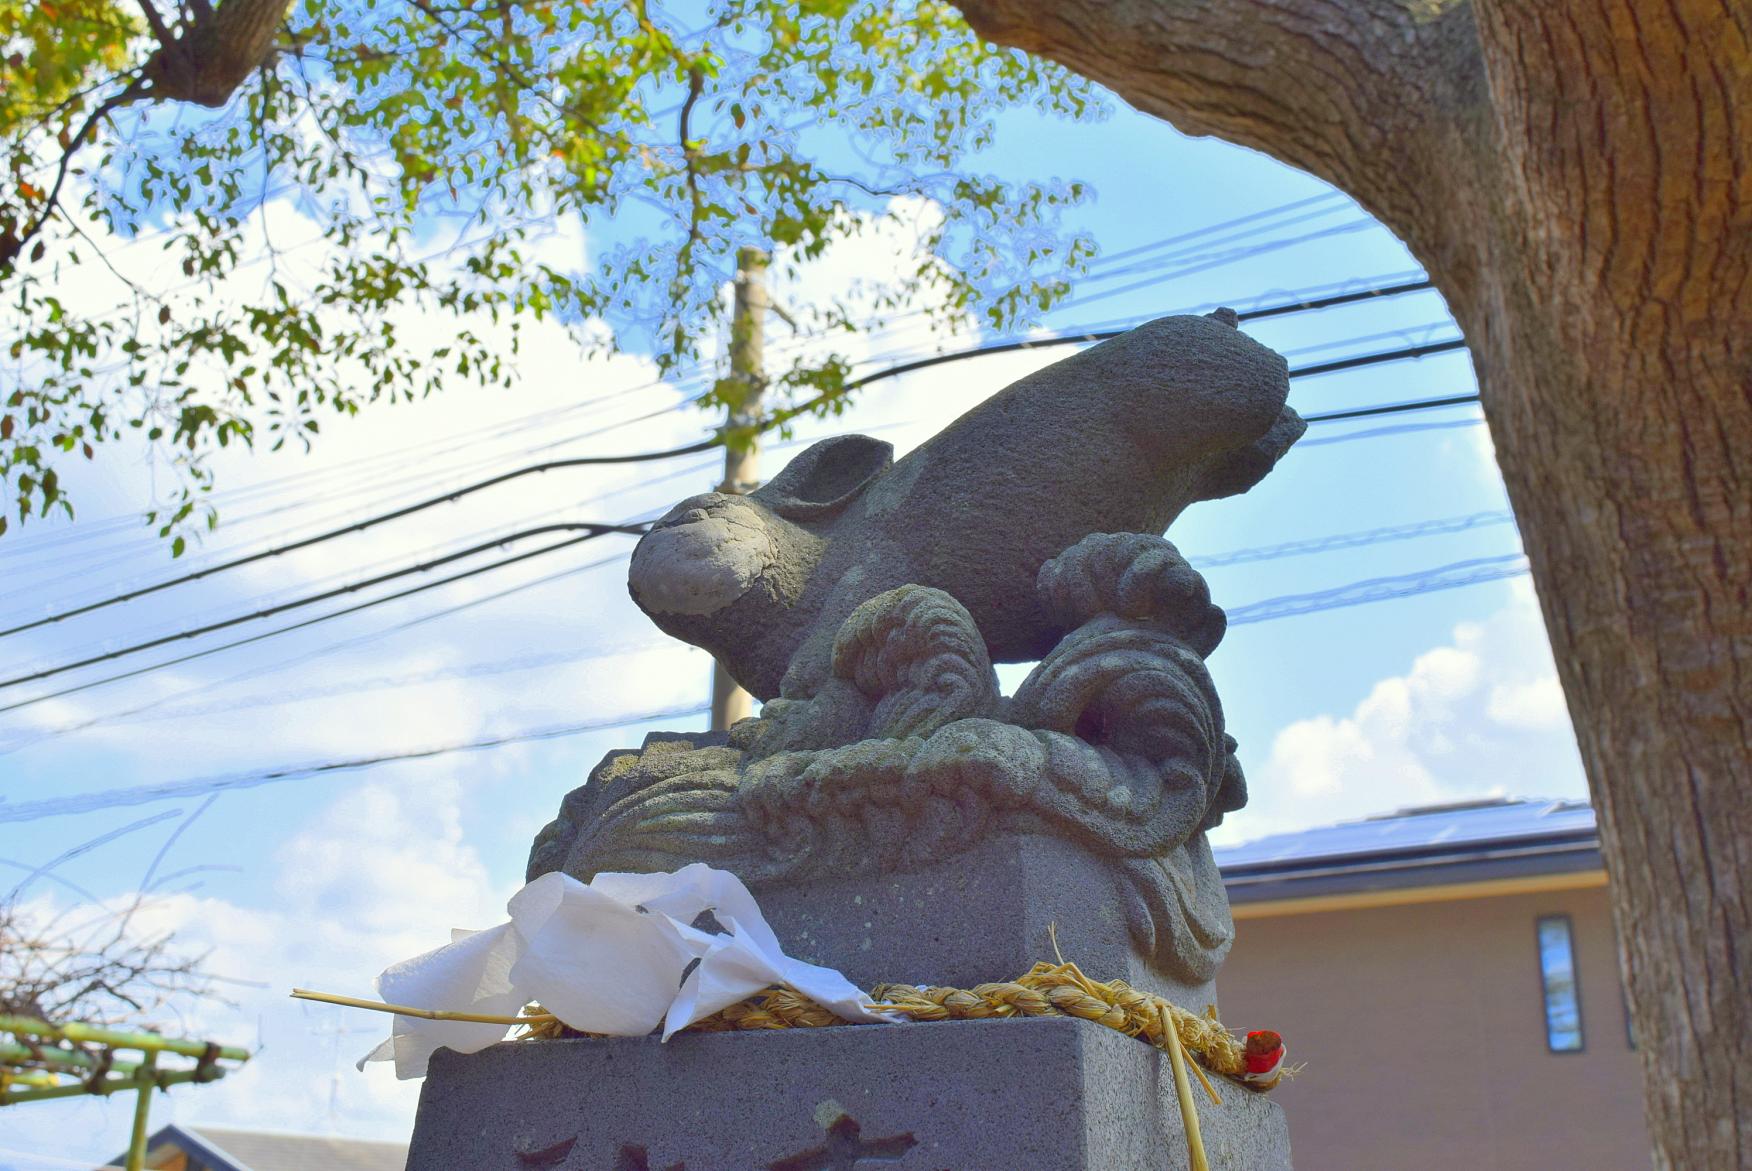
pixel 418 454
pixel 75 600
pixel 357 527
pixel 1101 335
pixel 1097 267
pixel 1355 362
pixel 1437 526
pixel 1200 251
pixel 593 530
pixel 1421 404
pixel 1380 589
pixel 279 630
pixel 1394 290
pixel 1407 353
pixel 1198 233
pixel 1228 258
pixel 141 794
pixel 308 656
pixel 380 683
pixel 101 528
pixel 562 509
pixel 1401 532
pixel 1380 432
pixel 1391 408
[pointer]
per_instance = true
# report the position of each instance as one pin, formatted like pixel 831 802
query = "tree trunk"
pixel 214 52
pixel 1577 177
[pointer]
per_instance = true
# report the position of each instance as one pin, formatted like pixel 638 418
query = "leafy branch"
pixel 370 128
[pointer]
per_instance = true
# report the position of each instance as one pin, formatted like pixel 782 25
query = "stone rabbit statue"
pixel 866 599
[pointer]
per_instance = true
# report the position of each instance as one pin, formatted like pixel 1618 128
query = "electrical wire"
pixel 1375 536
pixel 1421 404
pixel 1222 260
pixel 1381 589
pixel 1462 573
pixel 1313 545
pixel 1405 353
pixel 431 477
pixel 1351 363
pixel 387 682
pixel 1380 432
pixel 1198 233
pixel 312 621
pixel 137 795
pixel 571 507
pixel 538 418
pixel 308 656
pixel 592 530
pixel 1391 408
pixel 357 527
pixel 95 527
pixel 512 426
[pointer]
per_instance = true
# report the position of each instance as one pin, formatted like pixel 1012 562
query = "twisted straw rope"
pixel 1063 990
pixel 1046 990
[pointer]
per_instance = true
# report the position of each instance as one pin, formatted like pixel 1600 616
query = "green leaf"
pixel 503 120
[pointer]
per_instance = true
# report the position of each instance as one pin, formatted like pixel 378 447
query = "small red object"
pixel 1263 1051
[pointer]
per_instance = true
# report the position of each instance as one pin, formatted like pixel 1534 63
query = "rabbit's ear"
pixel 826 477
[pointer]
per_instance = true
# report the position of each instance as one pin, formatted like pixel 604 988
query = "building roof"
pixel 216 1148
pixel 1470 841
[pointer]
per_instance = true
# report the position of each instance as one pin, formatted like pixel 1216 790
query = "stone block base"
pixel 1039 1094
pixel 985 915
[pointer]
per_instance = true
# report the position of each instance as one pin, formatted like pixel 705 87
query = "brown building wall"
pixel 1422 1029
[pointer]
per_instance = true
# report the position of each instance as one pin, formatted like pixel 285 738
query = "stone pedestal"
pixel 986 914
pixel 1041 1094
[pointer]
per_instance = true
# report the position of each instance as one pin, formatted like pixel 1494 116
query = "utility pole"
pixel 742 466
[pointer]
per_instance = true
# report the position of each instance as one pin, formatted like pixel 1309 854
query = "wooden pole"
pixel 142 1107
pixel 742 460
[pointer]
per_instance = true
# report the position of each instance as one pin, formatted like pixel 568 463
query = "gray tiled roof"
pixel 256 1150
pixel 1433 829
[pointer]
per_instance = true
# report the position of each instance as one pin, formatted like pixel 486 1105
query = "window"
pixel 1557 971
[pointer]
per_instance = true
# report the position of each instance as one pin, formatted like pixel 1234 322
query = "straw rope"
pixel 1047 989
pixel 1059 989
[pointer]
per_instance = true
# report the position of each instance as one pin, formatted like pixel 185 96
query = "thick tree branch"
pixel 215 52
pixel 1384 98
pixel 1577 177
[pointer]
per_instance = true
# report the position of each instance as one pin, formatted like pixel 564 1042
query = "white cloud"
pixel 1480 715
pixel 1534 704
pixel 380 875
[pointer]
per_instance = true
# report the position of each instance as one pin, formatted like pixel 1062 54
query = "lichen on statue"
pixel 866 600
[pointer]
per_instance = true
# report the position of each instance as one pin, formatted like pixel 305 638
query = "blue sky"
pixel 323 881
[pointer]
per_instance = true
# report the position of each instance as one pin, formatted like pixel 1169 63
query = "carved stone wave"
pixel 907 753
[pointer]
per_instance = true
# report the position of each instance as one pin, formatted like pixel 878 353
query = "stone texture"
pixel 910 756
pixel 1118 438
pixel 900 819
pixel 867 601
pixel 1043 1094
pixel 985 915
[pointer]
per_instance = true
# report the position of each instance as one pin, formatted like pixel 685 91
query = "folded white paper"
pixel 607 957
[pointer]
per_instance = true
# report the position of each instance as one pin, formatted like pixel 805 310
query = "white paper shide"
pixel 604 957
